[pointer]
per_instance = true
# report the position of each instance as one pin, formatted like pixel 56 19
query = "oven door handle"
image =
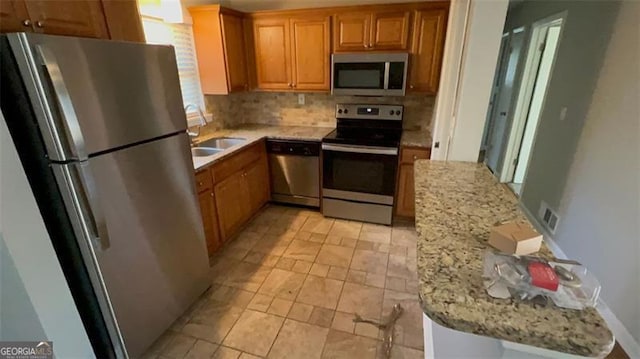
pixel 361 149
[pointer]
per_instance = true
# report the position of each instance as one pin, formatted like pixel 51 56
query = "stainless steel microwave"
pixel 383 74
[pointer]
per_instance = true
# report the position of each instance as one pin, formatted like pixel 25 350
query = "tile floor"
pixel 288 287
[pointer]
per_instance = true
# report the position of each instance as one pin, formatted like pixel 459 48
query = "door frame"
pixel 526 86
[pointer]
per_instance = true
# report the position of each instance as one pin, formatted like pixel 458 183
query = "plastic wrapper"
pixel 532 278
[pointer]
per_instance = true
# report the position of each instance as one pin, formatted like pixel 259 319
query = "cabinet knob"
pixel 200 183
pixel 415 157
pixel 366 46
pixel 39 23
pixel 411 86
pixel 26 22
pixel 211 194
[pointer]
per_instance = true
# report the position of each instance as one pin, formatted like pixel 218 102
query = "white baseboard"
pixel 622 335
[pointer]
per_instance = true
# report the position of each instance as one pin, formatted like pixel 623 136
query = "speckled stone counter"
pixel 256 132
pixel 456 205
pixel 420 138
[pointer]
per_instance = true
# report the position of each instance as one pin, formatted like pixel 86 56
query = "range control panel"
pixel 370 112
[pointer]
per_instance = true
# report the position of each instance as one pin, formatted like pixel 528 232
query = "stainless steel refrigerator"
pixel 101 133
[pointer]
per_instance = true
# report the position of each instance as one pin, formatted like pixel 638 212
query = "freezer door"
pixel 93 95
pixel 137 213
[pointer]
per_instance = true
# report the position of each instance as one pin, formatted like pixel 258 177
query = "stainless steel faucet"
pixel 203 120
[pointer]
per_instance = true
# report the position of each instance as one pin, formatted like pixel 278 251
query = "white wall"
pixel 480 54
pixel 600 207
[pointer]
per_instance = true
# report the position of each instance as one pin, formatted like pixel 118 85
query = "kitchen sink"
pixel 204 151
pixel 222 142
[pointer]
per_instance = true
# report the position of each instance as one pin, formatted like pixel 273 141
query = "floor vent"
pixel 549 218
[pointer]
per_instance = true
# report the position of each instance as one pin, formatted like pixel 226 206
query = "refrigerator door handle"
pixel 82 193
pixel 63 100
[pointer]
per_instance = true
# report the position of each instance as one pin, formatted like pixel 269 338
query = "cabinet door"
pixel 311 52
pixel 257 181
pixel 351 31
pixel 231 203
pixel 209 221
pixel 406 192
pixel 390 30
pixel 83 18
pixel 14 16
pixel 426 50
pixel 123 20
pixel 272 53
pixel 234 52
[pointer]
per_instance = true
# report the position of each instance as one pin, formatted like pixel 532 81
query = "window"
pixel 181 37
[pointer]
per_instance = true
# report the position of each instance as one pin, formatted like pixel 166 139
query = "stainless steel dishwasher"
pixel 295 171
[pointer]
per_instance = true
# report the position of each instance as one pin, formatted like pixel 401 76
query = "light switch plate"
pixel 301 99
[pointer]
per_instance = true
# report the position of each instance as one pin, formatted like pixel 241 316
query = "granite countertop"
pixel 416 138
pixel 456 204
pixel 256 132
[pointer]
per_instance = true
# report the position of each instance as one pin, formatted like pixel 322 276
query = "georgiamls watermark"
pixel 26 350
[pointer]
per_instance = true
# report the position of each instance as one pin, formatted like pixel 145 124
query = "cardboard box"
pixel 515 238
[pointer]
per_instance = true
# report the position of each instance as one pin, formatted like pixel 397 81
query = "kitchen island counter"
pixel 456 205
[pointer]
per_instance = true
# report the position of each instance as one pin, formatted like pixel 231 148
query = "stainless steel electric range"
pixel 359 163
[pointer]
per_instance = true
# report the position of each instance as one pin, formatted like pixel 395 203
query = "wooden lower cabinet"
pixel 257 182
pixel 233 204
pixel 209 220
pixel 405 203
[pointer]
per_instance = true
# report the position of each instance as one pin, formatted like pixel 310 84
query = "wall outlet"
pixel 548 217
pixel 301 99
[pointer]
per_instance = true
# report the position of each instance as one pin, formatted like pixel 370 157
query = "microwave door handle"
pixel 361 149
pixel 63 100
pixel 387 66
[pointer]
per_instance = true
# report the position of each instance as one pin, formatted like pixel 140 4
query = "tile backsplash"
pixel 282 108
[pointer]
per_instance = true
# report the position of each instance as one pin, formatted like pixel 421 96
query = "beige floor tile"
pixel 302 250
pixel 367 330
pixel 257 228
pixel 375 280
pixel 302 235
pixel 280 307
pixel 396 250
pixel 400 352
pixel 213 321
pixel 411 319
pixel 343 321
pixel 341 345
pixel 321 317
pixel 260 302
pixel 272 244
pixel 254 332
pixel 249 356
pixel 285 263
pixel 411 286
pixel 226 353
pixel 342 228
pixel 291 221
pixel 356 276
pixel 369 261
pixel 254 257
pixel 158 346
pixel 335 240
pixel 404 237
pixel 320 270
pixel 300 311
pixel 398 268
pixel 302 267
pixel 317 225
pixel 234 253
pixel 270 261
pixel 372 246
pixel 282 284
pixel 281 231
pixel 361 299
pixel 201 349
pixel 339 273
pixel 299 340
pixel 320 292
pixel 178 346
pixel 394 283
pixel 335 255
pixel 375 233
pixel 317 238
pixel 247 276
pixel 349 242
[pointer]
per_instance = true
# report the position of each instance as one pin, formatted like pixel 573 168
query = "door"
pixel 235 52
pixel 134 97
pixel 272 53
pixel 209 220
pixel 427 49
pixel 232 202
pixel 257 182
pixel 140 210
pixel 390 30
pixel 351 31
pixel 14 16
pixel 310 44
pixel 83 18
pixel 500 120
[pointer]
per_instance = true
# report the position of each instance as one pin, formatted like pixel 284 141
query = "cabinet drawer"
pixel 237 161
pixel 203 180
pixel 409 155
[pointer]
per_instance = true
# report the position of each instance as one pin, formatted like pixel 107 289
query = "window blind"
pixel 181 37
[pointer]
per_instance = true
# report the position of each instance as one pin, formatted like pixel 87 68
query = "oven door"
pixel 359 173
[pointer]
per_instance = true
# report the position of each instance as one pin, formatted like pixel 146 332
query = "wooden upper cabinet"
pixel 220 47
pixel 390 30
pixel 272 47
pixel 427 46
pixel 14 16
pixel 123 20
pixel 84 18
pixel 310 46
pixel 351 31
